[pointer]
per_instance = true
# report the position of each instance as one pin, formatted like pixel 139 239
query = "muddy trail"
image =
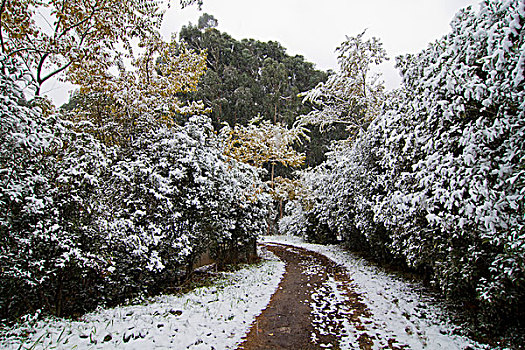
pixel 299 315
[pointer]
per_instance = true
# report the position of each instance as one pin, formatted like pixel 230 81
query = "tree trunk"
pixel 59 296
pixel 272 175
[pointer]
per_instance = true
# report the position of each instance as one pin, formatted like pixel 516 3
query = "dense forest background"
pixel 248 78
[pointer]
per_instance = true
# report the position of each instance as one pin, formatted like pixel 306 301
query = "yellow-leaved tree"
pixel 261 143
pixel 128 75
pixel 67 38
pixel 122 104
pixel 56 36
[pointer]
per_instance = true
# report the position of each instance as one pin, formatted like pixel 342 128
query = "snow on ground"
pixel 400 312
pixel 214 317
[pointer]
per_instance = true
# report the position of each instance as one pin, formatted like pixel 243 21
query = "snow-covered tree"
pixel 175 196
pixel 111 198
pixel 454 167
pixel 84 223
pixel 353 96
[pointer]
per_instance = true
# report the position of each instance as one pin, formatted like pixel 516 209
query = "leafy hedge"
pixel 437 181
pixel 84 224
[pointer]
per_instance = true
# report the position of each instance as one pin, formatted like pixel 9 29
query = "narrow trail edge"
pixel 298 315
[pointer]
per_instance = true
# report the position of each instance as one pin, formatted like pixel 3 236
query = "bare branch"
pixel 57 71
pixel 2 9
pixel 40 67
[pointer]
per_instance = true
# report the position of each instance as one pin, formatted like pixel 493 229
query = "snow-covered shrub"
pixel 294 220
pixel 171 197
pixel 462 135
pixel 84 223
pixel 437 181
pixel 338 202
pixel 48 178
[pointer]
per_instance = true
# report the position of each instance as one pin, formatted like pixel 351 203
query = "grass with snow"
pixel 212 317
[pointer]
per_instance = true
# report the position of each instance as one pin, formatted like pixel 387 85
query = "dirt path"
pixel 299 316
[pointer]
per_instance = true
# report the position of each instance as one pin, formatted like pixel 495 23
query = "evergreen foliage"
pixel 251 79
pixel 436 181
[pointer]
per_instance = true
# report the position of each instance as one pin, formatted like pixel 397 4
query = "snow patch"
pixel 215 317
pixel 399 311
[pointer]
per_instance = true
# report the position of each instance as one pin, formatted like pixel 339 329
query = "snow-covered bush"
pixel 173 197
pixel 109 197
pixel 454 155
pixel 84 223
pixel 48 178
pixel 437 181
pixel 294 221
pixel 337 201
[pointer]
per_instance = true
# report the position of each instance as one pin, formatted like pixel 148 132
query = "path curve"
pixel 298 315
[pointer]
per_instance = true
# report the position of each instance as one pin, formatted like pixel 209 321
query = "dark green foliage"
pixel 249 78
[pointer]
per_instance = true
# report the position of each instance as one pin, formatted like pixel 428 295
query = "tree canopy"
pixel 249 79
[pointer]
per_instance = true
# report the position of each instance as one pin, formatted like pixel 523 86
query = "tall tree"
pixel 274 79
pixel 249 78
pixel 353 96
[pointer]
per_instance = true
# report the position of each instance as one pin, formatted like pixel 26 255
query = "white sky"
pixel 314 28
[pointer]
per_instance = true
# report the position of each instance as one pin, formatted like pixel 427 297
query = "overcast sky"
pixel 314 28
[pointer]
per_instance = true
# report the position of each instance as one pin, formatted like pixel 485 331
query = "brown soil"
pixel 289 323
